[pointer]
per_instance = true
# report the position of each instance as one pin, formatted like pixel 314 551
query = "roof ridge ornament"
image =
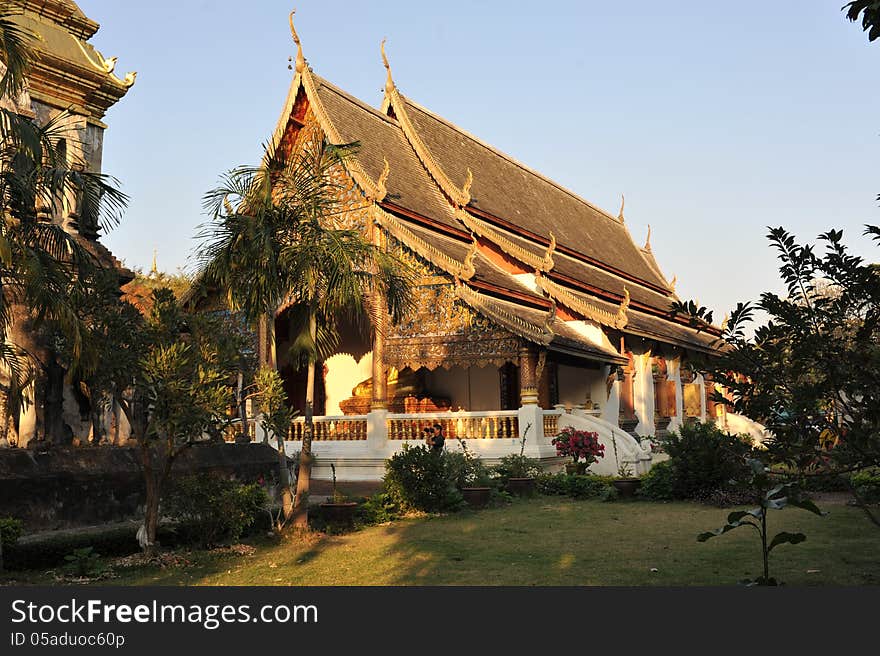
pixel 672 282
pixel 648 240
pixel 547 263
pixel 300 59
pixel 622 203
pixel 389 81
pixel 466 189
pixel 380 183
pixel 622 317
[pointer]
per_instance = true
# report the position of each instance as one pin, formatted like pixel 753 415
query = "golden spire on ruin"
pixel 154 271
pixel 389 82
pixel 300 60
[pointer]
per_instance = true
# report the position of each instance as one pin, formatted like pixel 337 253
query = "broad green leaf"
pixel 786 538
pixel 806 504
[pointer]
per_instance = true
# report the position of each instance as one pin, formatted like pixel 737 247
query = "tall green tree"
pixel 811 372
pixel 272 244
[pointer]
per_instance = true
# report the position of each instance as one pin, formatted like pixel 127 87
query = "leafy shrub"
pixel 517 465
pixel 658 483
pixel 576 486
pixel 465 469
pixel 609 494
pixel 84 562
pixel 417 479
pixel 867 485
pixel 704 458
pixel 10 531
pixel 211 508
pixel 378 509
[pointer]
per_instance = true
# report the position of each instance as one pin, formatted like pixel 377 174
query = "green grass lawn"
pixel 543 541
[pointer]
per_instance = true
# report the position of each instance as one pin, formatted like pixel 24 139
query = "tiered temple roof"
pixel 526 253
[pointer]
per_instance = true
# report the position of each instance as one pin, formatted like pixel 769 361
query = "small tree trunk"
pixel 147 532
pixel 242 405
pixel 303 479
pixel 284 480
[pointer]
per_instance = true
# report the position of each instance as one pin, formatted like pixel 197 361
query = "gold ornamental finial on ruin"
pixel 389 82
pixel 300 60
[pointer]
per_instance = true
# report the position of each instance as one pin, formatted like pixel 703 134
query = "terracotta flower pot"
pixel 627 486
pixel 476 497
pixel 576 468
pixel 522 487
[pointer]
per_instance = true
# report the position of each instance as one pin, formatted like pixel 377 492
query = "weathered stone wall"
pixel 70 486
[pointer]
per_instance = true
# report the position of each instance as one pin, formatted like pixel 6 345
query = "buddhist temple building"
pixel 535 309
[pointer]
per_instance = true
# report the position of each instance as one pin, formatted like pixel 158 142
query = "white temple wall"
pixel 643 394
pixel 611 408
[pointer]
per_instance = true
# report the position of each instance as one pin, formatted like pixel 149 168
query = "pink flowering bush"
pixel 579 445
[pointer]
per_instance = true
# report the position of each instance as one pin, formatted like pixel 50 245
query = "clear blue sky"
pixel 715 119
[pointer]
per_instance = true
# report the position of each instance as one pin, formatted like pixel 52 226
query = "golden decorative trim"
pixel 483 229
pixel 300 60
pixel 582 307
pixel 548 256
pixel 495 312
pixel 383 177
pixel 460 196
pixel 461 270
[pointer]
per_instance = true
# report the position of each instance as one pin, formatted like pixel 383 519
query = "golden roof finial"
pixel 389 82
pixel 622 203
pixel 648 239
pixel 725 321
pixel 154 271
pixel 673 281
pixel 300 60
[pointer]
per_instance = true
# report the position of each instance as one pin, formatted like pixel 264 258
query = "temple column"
pixel 530 416
pixel 528 375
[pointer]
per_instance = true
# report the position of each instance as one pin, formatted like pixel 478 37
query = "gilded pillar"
pixel 528 378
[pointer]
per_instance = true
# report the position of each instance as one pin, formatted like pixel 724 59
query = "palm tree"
pixel 42 266
pixel 272 245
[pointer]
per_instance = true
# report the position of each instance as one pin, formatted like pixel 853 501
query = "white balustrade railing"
pixel 465 425
pixel 330 428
